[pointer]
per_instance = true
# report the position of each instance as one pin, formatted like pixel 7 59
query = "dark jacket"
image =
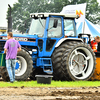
pixel 98 47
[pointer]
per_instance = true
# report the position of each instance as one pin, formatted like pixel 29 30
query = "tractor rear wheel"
pixel 73 61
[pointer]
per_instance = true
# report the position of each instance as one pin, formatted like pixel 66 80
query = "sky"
pixel 4 8
pixel 3 11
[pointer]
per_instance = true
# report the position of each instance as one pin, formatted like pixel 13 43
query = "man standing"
pixel 11 48
pixel 97 39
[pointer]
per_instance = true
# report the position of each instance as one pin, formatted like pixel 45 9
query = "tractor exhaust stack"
pixel 9 20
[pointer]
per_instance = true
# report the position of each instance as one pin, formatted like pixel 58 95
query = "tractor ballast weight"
pixel 52 46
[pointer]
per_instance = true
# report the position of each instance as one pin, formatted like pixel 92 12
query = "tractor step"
pixel 46 64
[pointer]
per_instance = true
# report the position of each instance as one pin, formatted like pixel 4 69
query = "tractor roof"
pixel 39 15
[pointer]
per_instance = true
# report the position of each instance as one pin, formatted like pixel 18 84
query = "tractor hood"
pixel 18 36
pixel 24 39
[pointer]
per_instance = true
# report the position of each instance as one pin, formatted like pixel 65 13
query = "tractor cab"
pixel 52 25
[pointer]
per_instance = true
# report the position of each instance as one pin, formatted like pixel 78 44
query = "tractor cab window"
pixel 55 31
pixel 37 27
pixel 69 29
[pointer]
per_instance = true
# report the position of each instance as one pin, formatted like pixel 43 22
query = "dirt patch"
pixel 23 93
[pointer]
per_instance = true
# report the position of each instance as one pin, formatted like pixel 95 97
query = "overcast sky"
pixel 3 10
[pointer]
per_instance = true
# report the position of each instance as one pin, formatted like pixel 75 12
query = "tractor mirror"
pixel 55 23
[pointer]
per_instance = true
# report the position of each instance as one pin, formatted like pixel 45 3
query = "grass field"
pixel 53 84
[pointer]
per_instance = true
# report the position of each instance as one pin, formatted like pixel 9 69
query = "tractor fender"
pixel 25 50
pixel 67 39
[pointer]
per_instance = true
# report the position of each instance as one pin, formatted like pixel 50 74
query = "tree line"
pixel 21 10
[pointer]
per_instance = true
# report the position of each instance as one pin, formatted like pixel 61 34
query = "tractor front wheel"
pixel 23 68
pixel 24 65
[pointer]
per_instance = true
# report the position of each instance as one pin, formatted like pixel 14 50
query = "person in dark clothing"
pixel 97 39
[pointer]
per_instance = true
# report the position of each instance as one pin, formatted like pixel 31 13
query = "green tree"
pixel 92 11
pixel 21 10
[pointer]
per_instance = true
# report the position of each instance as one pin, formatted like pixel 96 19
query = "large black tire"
pixel 25 67
pixel 26 64
pixel 57 56
pixel 4 74
pixel 63 59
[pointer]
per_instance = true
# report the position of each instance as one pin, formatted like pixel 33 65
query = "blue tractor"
pixel 52 46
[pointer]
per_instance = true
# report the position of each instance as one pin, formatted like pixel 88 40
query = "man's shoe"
pixel 11 82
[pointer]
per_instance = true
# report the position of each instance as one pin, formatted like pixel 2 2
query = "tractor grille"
pixel 2 43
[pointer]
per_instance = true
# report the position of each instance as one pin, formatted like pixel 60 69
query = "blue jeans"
pixel 10 65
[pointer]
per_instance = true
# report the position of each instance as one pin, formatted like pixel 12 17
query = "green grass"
pixel 53 84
